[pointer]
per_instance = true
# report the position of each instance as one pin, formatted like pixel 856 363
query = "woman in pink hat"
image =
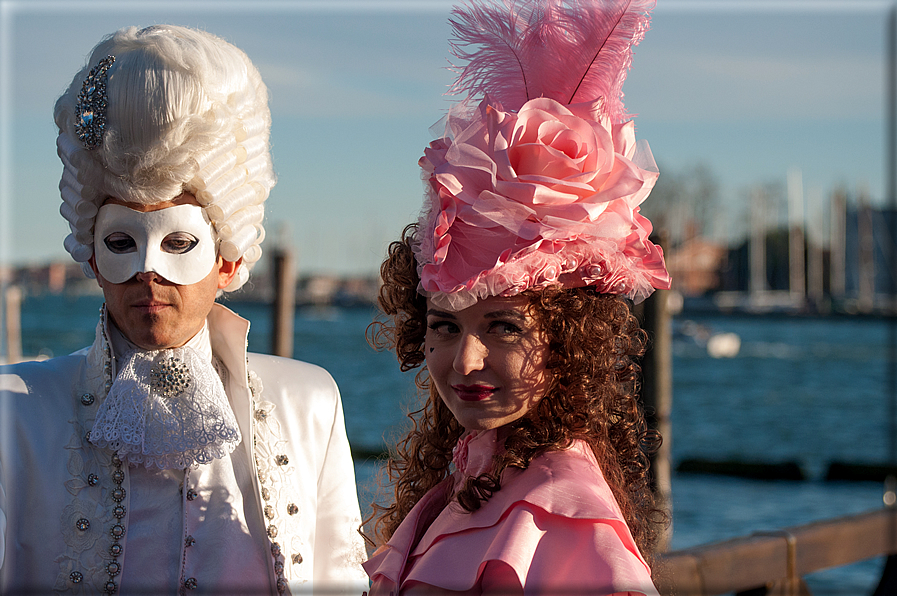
pixel 526 468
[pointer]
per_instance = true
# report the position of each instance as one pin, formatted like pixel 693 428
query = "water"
pixel 801 389
pixel 810 391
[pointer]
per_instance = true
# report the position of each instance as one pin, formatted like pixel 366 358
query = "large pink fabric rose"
pixel 545 196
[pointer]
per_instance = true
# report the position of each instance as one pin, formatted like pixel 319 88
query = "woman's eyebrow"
pixel 440 313
pixel 506 314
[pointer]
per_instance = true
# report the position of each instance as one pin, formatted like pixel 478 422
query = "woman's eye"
pixel 119 243
pixel 179 243
pixel 505 328
pixel 443 327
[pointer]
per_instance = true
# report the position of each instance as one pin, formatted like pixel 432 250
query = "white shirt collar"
pixel 121 345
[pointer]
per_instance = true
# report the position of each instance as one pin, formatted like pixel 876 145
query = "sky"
pixel 748 89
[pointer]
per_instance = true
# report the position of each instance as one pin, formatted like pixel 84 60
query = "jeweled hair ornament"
pixel 176 110
pixel 538 178
pixel 90 111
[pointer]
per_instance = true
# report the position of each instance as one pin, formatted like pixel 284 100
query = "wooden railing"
pixel 774 563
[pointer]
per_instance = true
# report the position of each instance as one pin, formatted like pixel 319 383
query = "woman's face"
pixel 487 361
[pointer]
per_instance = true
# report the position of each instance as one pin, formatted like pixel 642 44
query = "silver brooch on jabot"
pixel 90 111
pixel 169 376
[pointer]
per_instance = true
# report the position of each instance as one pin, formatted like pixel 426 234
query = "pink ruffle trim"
pixel 554 527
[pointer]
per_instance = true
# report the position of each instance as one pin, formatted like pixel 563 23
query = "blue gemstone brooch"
pixel 169 376
pixel 90 111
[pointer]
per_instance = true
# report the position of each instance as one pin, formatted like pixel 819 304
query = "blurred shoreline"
pixel 360 290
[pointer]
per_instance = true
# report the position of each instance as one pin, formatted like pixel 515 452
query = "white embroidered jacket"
pixel 282 505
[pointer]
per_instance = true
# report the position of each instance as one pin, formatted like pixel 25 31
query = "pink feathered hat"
pixel 538 178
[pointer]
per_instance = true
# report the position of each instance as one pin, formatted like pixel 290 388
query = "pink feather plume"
pixel 572 51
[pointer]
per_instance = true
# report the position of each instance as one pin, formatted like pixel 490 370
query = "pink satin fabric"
pixel 552 528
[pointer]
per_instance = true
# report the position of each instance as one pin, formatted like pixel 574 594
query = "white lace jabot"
pixel 166 408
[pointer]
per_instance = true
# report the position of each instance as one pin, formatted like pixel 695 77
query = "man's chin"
pixel 155 339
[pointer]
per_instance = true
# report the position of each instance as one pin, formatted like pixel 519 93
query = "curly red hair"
pixel 594 344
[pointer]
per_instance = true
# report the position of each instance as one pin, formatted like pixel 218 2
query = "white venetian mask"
pixel 176 243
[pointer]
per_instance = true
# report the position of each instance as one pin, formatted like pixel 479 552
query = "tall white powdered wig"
pixel 159 111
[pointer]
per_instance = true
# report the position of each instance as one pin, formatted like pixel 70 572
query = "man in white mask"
pixel 164 458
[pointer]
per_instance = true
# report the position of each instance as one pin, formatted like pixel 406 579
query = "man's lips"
pixel 474 392
pixel 150 306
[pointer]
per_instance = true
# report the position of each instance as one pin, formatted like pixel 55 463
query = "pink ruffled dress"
pixel 554 528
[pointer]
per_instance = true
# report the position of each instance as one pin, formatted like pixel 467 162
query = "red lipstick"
pixel 474 392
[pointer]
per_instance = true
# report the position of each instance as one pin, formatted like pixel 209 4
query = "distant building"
pixel 695 266
pixel 55 278
pixel 869 246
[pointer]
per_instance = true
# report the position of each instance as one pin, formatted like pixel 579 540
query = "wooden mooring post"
pixel 657 394
pixel 284 305
pixel 12 322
